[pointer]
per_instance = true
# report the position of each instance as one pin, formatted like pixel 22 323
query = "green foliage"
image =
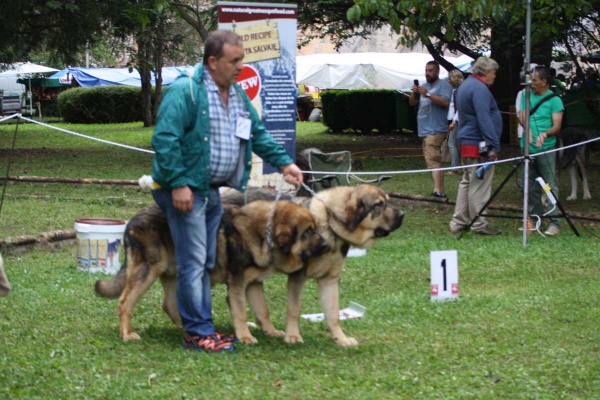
pixel 334 110
pixel 362 110
pixel 59 27
pixel 101 105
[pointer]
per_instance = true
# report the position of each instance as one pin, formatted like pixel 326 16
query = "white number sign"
pixel 444 275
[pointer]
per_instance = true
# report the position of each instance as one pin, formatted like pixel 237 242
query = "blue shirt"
pixel 479 116
pixel 431 118
pixel 224 145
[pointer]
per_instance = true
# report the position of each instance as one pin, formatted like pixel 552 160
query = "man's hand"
pixel 540 139
pixel 492 156
pixel 183 199
pixel 292 174
pixel 422 90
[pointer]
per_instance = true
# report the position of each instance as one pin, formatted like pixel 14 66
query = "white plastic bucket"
pixel 99 244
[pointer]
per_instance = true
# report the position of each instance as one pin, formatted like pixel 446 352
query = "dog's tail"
pixel 113 288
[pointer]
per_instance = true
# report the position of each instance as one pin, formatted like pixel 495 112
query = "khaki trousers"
pixel 472 195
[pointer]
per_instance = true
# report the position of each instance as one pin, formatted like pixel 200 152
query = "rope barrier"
pixel 460 167
pixel 86 136
pixel 324 172
pixel 7 118
pixel 566 105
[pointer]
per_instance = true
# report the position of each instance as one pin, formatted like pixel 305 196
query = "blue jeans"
pixel 453 147
pixel 195 238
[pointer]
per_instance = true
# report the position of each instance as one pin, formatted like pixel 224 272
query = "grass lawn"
pixel 525 326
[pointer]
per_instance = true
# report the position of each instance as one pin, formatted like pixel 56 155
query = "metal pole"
pixel 30 98
pixel 87 54
pixel 526 72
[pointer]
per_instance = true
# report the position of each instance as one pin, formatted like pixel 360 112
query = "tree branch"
pixel 195 23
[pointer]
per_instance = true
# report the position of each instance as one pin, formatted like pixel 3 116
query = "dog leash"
pixel 269 234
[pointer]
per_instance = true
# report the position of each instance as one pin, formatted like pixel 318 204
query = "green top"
pixel 541 120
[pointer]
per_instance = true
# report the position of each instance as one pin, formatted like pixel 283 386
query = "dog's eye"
pixel 308 233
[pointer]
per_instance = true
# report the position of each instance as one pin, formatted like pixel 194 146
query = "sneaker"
pixel 227 338
pixel 487 231
pixel 436 194
pixel 209 344
pixel 552 230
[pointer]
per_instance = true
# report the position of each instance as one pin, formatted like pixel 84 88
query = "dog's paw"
pixel 247 339
pixel 130 336
pixel 587 197
pixel 347 342
pixel 570 198
pixel 293 339
pixel 274 332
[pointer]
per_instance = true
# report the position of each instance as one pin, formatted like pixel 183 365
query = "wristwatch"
pixel 428 94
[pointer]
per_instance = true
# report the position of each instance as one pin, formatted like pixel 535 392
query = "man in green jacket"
pixel 205 134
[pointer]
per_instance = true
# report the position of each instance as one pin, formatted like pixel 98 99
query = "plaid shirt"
pixel 224 145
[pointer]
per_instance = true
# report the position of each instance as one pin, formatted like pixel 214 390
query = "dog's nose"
pixel 324 246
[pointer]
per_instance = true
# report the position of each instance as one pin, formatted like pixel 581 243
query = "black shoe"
pixel 436 194
pixel 488 231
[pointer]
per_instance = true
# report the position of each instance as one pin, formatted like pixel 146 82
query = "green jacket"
pixel 181 139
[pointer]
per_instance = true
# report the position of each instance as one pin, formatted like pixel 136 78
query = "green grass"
pixel 525 325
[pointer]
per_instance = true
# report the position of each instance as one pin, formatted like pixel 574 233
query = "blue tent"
pixel 88 77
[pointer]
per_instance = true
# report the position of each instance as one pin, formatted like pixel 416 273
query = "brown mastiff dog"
pixel 246 255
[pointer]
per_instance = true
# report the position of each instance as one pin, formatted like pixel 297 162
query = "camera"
pixel 484 149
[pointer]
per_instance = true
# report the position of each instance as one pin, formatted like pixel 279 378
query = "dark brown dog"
pixel 244 260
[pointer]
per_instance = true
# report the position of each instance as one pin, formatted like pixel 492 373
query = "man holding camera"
pixel 478 137
pixel 433 99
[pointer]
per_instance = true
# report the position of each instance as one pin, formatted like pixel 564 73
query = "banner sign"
pixel 269 75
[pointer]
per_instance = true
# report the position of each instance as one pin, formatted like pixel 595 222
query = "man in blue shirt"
pixel 433 99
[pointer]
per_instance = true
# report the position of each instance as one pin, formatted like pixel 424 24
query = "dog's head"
pixel 368 215
pixel 295 231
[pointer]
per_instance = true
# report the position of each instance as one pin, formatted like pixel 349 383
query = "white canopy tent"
pixel 25 71
pixel 368 70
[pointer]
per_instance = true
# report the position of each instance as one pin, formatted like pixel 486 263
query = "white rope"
pixel 12 116
pixel 415 171
pixel 89 137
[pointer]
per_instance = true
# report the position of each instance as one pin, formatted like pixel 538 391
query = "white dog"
pixel 4 285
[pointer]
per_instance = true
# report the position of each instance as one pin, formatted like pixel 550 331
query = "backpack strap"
pixel 545 99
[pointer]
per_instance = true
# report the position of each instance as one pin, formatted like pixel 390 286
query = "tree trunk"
pixel 158 64
pixel 507 50
pixel 143 67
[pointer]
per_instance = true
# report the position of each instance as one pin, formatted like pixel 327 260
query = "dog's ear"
pixel 360 205
pixel 355 215
pixel 286 238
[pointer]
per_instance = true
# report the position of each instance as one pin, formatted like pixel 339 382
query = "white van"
pixel 10 86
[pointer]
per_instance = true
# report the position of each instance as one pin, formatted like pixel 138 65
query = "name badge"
pixel 242 130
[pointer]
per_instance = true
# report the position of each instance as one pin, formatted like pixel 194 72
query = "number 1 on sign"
pixel 444 275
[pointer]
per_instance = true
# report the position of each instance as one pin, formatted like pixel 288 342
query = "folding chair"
pixel 340 161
